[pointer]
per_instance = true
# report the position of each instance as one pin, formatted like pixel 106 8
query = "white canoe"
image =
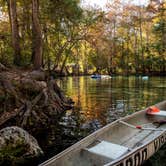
pixel 128 141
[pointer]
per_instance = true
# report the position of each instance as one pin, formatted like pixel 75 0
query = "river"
pixel 101 101
pixel 95 98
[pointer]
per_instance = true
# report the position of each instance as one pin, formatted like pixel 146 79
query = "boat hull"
pixel 141 143
pixel 141 154
pixel 96 76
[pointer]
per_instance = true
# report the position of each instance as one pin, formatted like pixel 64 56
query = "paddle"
pixel 140 127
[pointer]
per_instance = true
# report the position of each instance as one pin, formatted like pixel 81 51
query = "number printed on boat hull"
pixel 138 157
pixel 159 142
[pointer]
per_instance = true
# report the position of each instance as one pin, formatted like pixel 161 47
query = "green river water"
pixel 101 101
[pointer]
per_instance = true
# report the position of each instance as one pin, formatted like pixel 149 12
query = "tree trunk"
pixel 114 45
pixel 136 53
pixel 15 31
pixel 37 36
pixel 66 57
pixel 141 41
pixel 163 32
pixel 59 54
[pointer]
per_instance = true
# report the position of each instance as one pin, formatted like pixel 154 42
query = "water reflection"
pixel 107 99
pixel 98 102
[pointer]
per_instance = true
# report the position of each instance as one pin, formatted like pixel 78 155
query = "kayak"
pixel 97 76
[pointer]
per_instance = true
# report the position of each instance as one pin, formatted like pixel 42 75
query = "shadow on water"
pixel 97 103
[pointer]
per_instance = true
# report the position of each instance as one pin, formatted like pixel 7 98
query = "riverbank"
pixel 95 102
pixel 29 102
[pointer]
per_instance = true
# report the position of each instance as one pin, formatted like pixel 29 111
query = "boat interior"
pixel 113 141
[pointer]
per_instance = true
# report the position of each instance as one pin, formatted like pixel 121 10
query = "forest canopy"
pixel 70 38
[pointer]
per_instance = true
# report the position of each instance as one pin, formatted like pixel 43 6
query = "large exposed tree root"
pixel 30 99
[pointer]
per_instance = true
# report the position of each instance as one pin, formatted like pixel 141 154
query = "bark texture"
pixel 37 36
pixel 15 31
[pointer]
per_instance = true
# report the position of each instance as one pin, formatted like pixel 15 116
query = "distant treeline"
pixel 65 37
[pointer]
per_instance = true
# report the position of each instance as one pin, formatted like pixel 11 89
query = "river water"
pixel 97 99
pixel 99 102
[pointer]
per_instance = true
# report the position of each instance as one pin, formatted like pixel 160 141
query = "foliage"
pixel 127 38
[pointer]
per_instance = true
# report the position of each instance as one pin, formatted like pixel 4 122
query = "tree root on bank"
pixel 27 113
pixel 29 101
pixel 9 115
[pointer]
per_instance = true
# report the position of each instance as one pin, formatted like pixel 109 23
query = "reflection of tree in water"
pixel 98 102
pixel 70 128
pixel 61 135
